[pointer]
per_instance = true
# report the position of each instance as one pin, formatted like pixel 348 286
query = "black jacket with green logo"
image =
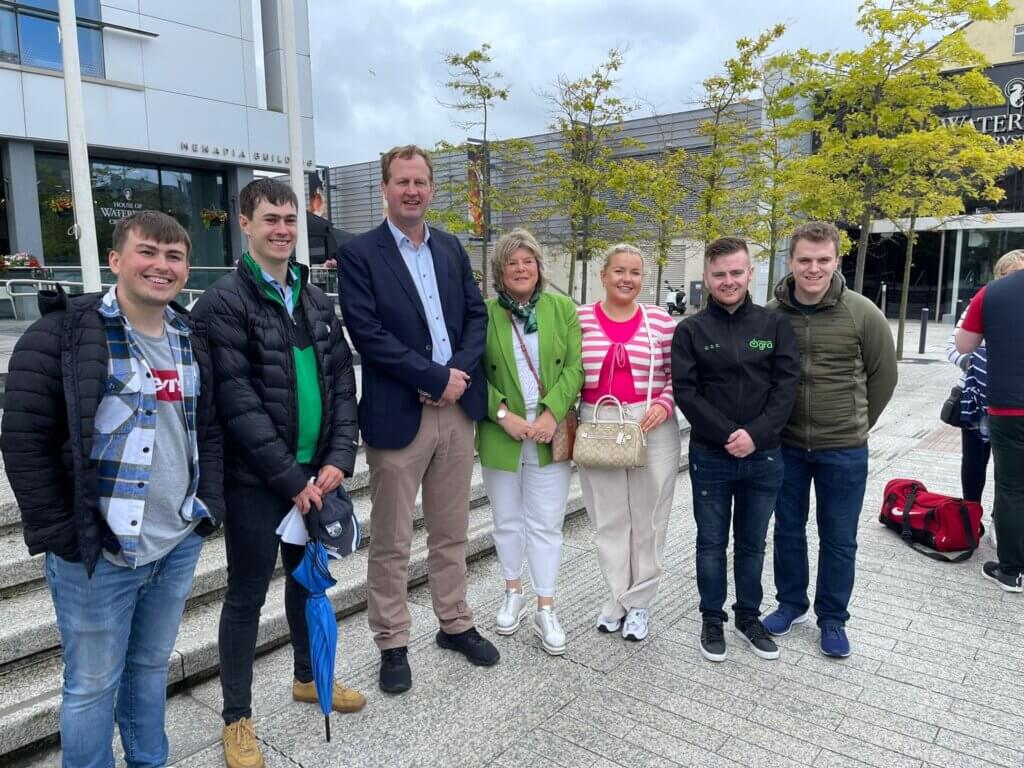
pixel 735 371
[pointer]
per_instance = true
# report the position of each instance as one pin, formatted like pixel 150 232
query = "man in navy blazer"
pixel 414 313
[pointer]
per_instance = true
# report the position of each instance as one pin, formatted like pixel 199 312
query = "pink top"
pixel 602 337
pixel 616 375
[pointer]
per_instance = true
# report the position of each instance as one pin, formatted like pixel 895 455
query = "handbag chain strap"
pixel 526 354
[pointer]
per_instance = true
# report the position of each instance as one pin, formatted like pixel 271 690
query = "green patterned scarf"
pixel 526 312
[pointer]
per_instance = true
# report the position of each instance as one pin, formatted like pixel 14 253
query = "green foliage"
pixel 587 113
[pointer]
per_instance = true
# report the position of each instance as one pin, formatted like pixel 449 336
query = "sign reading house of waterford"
pixel 235 153
pixel 1004 123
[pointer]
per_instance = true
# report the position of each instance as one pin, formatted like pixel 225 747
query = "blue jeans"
pixel 839 478
pixel 118 630
pixel 743 490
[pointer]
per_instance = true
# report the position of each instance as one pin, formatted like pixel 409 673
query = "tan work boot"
pixel 342 700
pixel 241 750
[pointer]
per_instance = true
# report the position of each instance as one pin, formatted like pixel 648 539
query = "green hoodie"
pixel 309 405
pixel 847 367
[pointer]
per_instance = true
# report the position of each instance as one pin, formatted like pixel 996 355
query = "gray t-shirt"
pixel 163 527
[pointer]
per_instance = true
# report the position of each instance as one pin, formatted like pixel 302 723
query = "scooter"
pixel 675 300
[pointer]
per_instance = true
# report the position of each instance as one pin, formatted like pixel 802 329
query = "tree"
pixel 477 89
pixel 897 84
pixel 654 190
pixel 726 200
pixel 575 179
pixel 929 175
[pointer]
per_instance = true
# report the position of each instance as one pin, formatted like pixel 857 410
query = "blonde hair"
pixel 622 248
pixel 503 250
pixel 1008 262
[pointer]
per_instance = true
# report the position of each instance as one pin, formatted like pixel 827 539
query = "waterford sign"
pixel 1004 123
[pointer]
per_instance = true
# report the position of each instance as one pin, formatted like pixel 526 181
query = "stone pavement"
pixel 935 678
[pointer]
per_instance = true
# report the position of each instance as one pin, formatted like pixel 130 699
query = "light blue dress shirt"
pixel 421 266
pixel 285 291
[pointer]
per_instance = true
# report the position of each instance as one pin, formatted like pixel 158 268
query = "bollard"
pixel 924 330
pixel 883 299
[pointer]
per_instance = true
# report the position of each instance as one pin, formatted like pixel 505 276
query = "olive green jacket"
pixel 847 367
pixel 561 373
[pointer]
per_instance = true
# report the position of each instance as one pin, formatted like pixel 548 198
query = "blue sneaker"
pixel 780 621
pixel 834 641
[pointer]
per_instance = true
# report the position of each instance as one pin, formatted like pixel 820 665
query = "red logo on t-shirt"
pixel 168 387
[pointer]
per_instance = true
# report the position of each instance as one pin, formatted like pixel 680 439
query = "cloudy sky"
pixel 378 69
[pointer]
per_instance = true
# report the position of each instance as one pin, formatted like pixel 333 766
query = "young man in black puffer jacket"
pixel 114 454
pixel 286 396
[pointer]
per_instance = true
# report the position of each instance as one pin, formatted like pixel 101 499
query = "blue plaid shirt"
pixel 125 425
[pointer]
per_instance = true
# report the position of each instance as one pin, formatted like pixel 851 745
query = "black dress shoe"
pixel 395 675
pixel 470 644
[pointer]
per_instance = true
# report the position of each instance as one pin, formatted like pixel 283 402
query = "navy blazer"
pixel 388 326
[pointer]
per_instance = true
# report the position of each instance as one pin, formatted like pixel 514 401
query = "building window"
pixel 30 35
pixel 196 198
pixel 1018 40
pixel 5 238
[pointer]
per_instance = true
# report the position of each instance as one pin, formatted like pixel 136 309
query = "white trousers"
pixel 529 508
pixel 629 511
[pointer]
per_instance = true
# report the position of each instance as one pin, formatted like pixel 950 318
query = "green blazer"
pixel 561 372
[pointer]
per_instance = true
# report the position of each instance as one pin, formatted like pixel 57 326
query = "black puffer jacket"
pixel 250 340
pixel 55 382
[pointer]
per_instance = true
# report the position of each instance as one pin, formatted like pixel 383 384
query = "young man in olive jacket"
pixel 848 375
pixel 735 372
pixel 113 451
pixel 286 396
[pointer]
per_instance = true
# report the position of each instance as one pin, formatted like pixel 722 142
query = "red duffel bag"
pixel 940 523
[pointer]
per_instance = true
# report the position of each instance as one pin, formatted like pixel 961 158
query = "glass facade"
pixel 196 198
pixel 5 238
pixel 980 251
pixel 29 35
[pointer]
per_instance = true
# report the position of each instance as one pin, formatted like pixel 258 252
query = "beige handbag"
pixel 603 443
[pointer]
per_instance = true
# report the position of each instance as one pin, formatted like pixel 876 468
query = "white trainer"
pixel 547 628
pixel 608 626
pixel 635 626
pixel 512 611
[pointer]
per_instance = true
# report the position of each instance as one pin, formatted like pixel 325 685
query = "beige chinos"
pixel 629 511
pixel 440 458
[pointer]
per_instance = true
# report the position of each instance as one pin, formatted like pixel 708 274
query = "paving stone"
pixel 982 748
pixel 906 745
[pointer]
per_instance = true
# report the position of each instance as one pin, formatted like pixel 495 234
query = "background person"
pixel 993 316
pixel 735 373
pixel 120 386
pixel 848 375
pixel 530 333
pixel 629 508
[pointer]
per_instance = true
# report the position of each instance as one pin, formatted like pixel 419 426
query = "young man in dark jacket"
pixel 113 451
pixel 848 375
pixel 735 372
pixel 286 396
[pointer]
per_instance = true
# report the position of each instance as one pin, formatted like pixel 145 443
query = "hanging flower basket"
pixel 60 204
pixel 213 217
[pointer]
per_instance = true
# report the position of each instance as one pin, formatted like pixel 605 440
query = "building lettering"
pixel 254 155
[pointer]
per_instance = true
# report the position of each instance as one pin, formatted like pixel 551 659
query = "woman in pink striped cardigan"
pixel 629 508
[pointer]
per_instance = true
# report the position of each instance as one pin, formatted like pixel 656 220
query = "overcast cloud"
pixel 378 71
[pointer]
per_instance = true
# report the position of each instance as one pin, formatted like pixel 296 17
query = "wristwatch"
pixel 502 412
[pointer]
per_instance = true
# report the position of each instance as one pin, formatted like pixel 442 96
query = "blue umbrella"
pixel 314 575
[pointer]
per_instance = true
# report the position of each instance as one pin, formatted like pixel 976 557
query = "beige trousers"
pixel 440 458
pixel 629 511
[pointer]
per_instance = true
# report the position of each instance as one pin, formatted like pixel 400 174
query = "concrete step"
pixel 32 628
pixel 30 665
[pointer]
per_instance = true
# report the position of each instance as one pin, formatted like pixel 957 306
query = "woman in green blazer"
pixel 530 334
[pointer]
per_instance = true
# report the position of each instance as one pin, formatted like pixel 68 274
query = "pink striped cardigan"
pixel 596 345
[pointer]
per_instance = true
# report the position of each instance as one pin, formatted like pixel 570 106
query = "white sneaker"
pixel 547 628
pixel 512 611
pixel 608 626
pixel 635 626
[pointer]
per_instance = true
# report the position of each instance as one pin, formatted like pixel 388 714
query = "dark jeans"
pixel 253 514
pixel 1007 434
pixel 974 457
pixel 839 478
pixel 743 490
